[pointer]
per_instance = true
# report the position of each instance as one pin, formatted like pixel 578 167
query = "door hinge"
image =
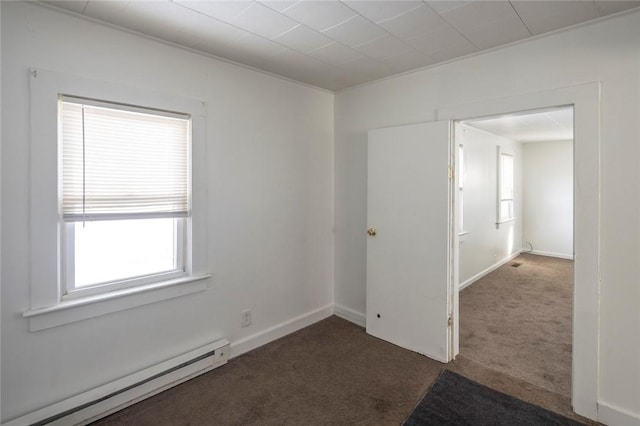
pixel 450 172
pixel 450 321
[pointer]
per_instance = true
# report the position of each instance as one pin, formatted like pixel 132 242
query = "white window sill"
pixel 73 310
pixel 500 222
pixel 462 236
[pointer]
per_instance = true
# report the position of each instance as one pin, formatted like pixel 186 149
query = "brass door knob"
pixel 372 232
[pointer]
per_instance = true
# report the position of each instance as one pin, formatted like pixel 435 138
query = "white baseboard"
pixel 615 416
pixel 550 254
pixel 254 341
pixel 150 388
pixel 355 317
pixel 106 399
pixel 490 269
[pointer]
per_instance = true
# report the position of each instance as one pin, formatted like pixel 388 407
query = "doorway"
pixel 585 99
pixel 395 314
pixel 515 193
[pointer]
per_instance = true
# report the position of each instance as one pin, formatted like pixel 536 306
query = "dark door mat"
pixel 456 400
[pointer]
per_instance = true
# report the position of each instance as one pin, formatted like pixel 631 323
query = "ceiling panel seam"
pixel 520 17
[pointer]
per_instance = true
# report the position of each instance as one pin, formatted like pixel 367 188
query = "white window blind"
pixel 123 163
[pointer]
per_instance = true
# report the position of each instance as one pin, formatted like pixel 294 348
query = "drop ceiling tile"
pixel 161 20
pixel 414 23
pixel 384 47
pixel 298 66
pixel 223 10
pixel 259 62
pixel 261 20
pixel 536 120
pixel 230 50
pixel 291 59
pixel 252 50
pixel 319 15
pixel 502 126
pixel 72 5
pixel 408 61
pixel 278 5
pixel 608 7
pixel 335 53
pixel 442 6
pixel 421 33
pixel 348 79
pixel 455 51
pixel 476 13
pixel 294 64
pixel 259 46
pixel 105 10
pixel 224 50
pixel 370 69
pixel 495 33
pixel 442 38
pixel 564 117
pixel 303 39
pixel 355 31
pixel 531 127
pixel 543 16
pixel 338 83
pixel 378 11
pixel 208 33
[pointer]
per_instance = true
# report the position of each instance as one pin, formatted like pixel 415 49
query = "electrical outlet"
pixel 246 318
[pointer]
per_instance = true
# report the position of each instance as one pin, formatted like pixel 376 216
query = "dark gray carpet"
pixel 457 401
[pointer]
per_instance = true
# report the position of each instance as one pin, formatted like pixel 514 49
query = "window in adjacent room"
pixel 125 195
pixel 461 189
pixel 505 187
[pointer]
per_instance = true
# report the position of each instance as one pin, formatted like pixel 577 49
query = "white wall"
pixel 270 207
pixel 607 51
pixel 548 199
pixel 484 245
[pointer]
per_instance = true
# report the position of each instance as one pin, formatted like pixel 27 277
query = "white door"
pixel 409 242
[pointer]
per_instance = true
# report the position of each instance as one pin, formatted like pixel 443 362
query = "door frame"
pixel 585 99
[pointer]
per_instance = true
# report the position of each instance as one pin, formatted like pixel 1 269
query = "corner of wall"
pixel 358 318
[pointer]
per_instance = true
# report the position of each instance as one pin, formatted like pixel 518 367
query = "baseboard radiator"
pixel 107 399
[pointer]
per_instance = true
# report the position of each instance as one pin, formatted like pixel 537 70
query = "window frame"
pixel 500 196
pixel 47 307
pixel 68 226
pixel 70 291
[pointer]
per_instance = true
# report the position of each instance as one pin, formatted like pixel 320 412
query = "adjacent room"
pixel 516 196
pixel 187 191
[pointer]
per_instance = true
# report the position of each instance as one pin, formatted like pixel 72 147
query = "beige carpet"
pixel 518 321
pixel 329 373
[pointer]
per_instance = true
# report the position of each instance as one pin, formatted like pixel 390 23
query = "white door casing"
pixel 585 99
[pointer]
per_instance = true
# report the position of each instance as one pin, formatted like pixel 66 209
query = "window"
pixel 461 189
pixel 505 187
pixel 125 195
pixel 118 217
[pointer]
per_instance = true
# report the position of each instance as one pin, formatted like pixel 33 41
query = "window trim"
pixel 46 290
pixel 73 310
